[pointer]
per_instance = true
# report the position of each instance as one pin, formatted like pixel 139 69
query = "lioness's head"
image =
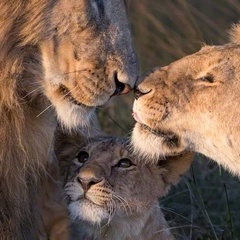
pixel 190 104
pixel 105 180
pixel 85 51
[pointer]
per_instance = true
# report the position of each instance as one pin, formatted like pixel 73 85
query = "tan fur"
pixel 192 104
pixel 54 54
pixel 113 202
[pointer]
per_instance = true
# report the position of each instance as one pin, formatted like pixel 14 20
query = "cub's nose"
pixel 138 93
pixel 87 178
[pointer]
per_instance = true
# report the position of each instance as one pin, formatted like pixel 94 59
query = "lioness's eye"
pixel 209 78
pixel 82 156
pixel 124 163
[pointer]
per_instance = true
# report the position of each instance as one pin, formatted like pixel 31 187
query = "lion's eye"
pixel 124 163
pixel 82 156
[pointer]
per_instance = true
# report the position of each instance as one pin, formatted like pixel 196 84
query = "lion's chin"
pixel 153 145
pixel 73 116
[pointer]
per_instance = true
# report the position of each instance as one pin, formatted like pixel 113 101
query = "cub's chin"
pixel 155 144
pixel 87 211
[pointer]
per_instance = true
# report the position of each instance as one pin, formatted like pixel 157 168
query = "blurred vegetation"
pixel 205 205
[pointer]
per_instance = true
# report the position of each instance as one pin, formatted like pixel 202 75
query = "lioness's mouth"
pixel 67 95
pixel 168 137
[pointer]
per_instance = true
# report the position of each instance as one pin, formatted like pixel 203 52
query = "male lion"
pixel 192 104
pixel 58 58
pixel 112 194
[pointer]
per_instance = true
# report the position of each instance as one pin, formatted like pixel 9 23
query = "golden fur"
pixel 192 104
pixel 113 195
pixel 58 58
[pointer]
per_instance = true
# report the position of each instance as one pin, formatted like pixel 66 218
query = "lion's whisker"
pixel 62 97
pixel 44 110
pixel 32 91
pixel 82 70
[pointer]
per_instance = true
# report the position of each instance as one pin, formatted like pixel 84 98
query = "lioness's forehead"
pixel 205 57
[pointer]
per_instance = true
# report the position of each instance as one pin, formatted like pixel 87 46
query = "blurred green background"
pixel 206 204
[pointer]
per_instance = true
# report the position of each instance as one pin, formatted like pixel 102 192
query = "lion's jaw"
pixel 194 101
pixel 88 56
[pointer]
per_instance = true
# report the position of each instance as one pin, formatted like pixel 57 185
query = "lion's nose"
pixel 120 87
pixel 87 179
pixel 138 93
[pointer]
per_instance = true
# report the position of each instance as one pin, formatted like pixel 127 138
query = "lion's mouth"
pixel 168 137
pixel 67 95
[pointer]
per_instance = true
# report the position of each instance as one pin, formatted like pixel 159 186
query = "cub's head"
pixel 105 180
pixel 189 104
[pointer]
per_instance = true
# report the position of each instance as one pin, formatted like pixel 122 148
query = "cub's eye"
pixel 124 163
pixel 82 156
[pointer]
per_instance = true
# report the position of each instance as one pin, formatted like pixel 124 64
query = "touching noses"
pixel 125 78
pixel 88 178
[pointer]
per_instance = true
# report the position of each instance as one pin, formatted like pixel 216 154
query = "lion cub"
pixel 114 195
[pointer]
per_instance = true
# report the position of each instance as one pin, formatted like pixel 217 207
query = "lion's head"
pixel 191 104
pixel 82 48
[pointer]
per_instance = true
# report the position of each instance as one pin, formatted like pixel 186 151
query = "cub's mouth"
pixel 168 137
pixel 66 93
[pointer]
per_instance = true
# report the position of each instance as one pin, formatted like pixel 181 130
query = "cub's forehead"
pixel 113 146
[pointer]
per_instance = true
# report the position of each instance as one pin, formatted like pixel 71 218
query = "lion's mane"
pixel 25 138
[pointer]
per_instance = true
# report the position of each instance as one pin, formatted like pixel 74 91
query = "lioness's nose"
pixel 121 88
pixel 87 178
pixel 138 93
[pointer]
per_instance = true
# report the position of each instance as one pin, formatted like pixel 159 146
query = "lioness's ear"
pixel 174 167
pixel 234 33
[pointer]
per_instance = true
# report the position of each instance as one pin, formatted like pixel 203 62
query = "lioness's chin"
pixel 88 211
pixel 154 145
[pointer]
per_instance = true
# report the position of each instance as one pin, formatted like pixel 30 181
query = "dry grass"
pixel 206 204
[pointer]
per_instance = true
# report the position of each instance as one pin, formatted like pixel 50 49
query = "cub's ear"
pixel 234 33
pixel 174 167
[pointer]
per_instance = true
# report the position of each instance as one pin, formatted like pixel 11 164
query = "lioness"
pixel 192 104
pixel 60 59
pixel 114 195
